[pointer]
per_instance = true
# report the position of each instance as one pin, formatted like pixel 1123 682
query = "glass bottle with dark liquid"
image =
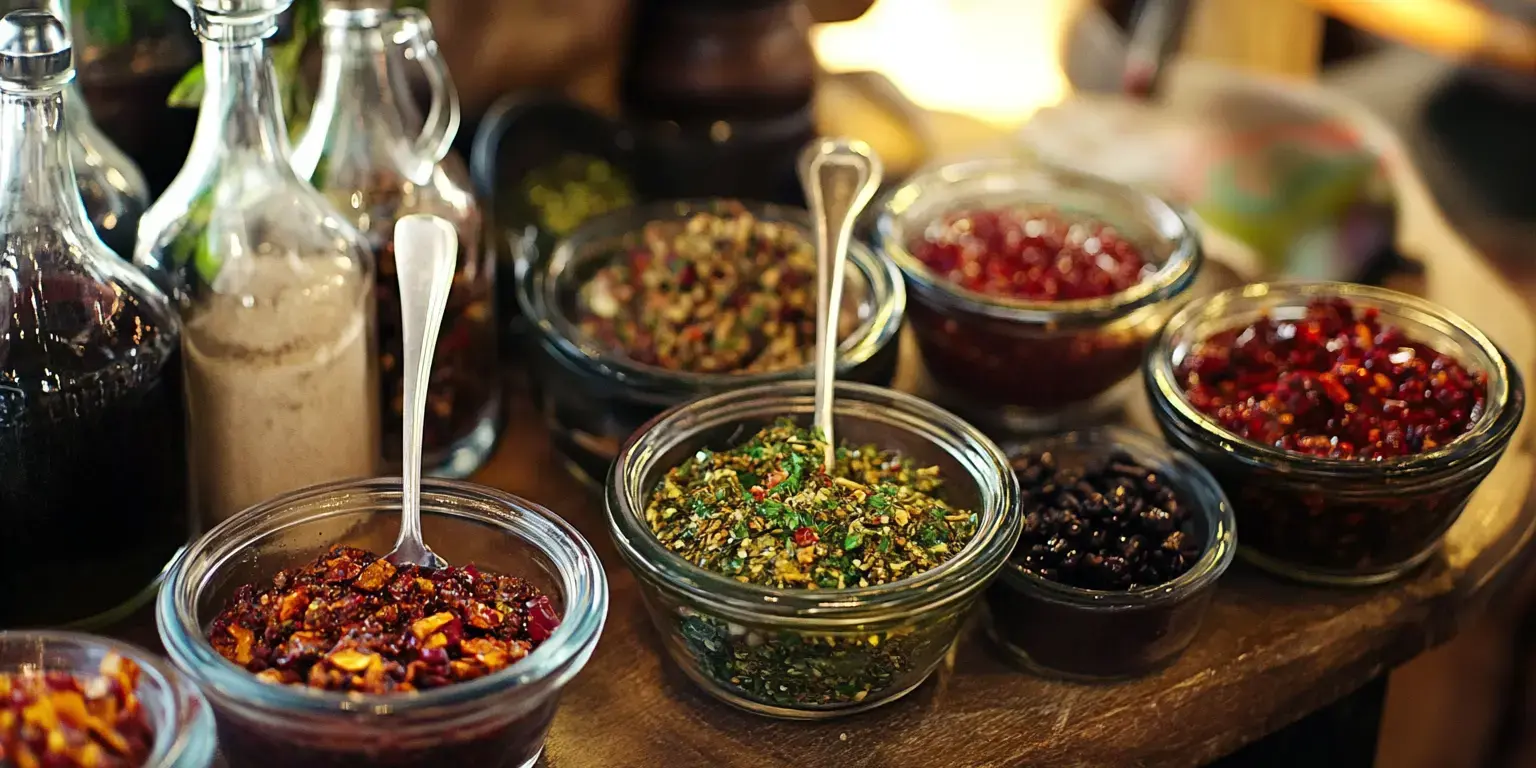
pixel 92 465
pixel 377 158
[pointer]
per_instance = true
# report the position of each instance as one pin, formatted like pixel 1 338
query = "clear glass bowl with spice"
pixel 1034 290
pixel 422 696
pixel 1348 424
pixel 897 545
pixel 1123 542
pixel 72 700
pixel 649 307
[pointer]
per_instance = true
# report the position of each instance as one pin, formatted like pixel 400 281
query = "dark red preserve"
pixel 1031 255
pixel 54 719
pixel 1336 383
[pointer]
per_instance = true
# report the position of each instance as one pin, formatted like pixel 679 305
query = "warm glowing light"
pixel 997 60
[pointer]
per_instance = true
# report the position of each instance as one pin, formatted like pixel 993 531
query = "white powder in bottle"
pixel 281 390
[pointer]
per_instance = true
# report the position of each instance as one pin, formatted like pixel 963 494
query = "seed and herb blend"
pixel 718 293
pixel 352 621
pixel 1336 383
pixel 766 513
pixel 60 720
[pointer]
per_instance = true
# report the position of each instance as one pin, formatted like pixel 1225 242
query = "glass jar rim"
pixel 1503 405
pixel 185 708
pixel 1171 224
pixel 1189 479
pixel 538 296
pixel 585 598
pixel 997 531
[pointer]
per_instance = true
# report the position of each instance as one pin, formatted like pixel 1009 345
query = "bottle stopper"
pixel 35 52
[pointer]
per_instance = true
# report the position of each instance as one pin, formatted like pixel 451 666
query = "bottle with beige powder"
pixel 275 289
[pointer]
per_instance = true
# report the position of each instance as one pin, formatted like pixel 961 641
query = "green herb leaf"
pixel 852 541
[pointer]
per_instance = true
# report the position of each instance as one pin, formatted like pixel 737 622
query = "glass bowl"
pixel 811 654
pixel 496 721
pixel 1012 365
pixel 1089 634
pixel 593 398
pixel 179 716
pixel 1326 520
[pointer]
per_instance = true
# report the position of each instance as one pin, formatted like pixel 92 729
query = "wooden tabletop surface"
pixel 1269 653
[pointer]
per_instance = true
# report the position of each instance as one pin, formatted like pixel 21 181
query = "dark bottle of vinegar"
pixel 92 465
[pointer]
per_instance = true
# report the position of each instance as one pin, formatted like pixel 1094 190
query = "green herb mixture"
pixel 766 513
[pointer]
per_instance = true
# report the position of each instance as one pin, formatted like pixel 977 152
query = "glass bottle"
pixel 275 288
pixel 92 461
pixel 114 188
pixel 369 149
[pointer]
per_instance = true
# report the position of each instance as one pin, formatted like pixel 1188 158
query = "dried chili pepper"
pixel 60 720
pixel 352 621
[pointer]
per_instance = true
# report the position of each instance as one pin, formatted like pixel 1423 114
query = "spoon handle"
pixel 840 177
pixel 426 251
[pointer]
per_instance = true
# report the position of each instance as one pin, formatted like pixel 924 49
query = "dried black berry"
pixel 1113 527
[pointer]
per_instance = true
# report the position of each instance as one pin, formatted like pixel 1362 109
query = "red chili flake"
pixel 758 492
pixel 1336 383
pixel 806 536
pixel 1035 255
pixel 386 629
pixel 542 621
pixel 59 720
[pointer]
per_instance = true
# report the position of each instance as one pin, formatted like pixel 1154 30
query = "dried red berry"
pixel 1035 255
pixel 542 620
pixel 805 536
pixel 1336 383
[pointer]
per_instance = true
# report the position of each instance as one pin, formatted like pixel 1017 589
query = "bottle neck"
pixel 357 81
pixel 241 112
pixel 37 176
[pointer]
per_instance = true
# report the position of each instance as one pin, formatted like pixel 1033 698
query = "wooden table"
pixel 1269 654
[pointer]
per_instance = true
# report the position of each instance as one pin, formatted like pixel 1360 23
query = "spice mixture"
pixel 1115 526
pixel 59 720
pixel 1336 383
pixel 351 621
pixel 720 293
pixel 1036 255
pixel 280 393
pixel 766 513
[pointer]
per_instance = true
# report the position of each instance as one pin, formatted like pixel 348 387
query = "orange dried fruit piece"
pixel 352 660
pixel 292 604
pixel 427 625
pixel 243 639
pixel 375 576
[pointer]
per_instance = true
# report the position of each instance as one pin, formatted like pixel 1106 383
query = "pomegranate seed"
pixel 1336 383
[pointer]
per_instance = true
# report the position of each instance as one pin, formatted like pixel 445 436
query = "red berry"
pixel 1335 383
pixel 805 536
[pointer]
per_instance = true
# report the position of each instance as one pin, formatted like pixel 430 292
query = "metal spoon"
pixel 840 177
pixel 426 249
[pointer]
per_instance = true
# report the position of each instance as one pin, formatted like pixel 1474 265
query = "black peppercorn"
pixel 1112 527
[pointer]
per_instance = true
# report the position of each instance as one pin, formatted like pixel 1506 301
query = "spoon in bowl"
pixel 840 177
pixel 426 249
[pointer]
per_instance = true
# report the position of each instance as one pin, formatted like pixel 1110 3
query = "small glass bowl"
pixel 812 654
pixel 180 718
pixel 495 721
pixel 1088 634
pixel 593 398
pixel 1336 521
pixel 1027 366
